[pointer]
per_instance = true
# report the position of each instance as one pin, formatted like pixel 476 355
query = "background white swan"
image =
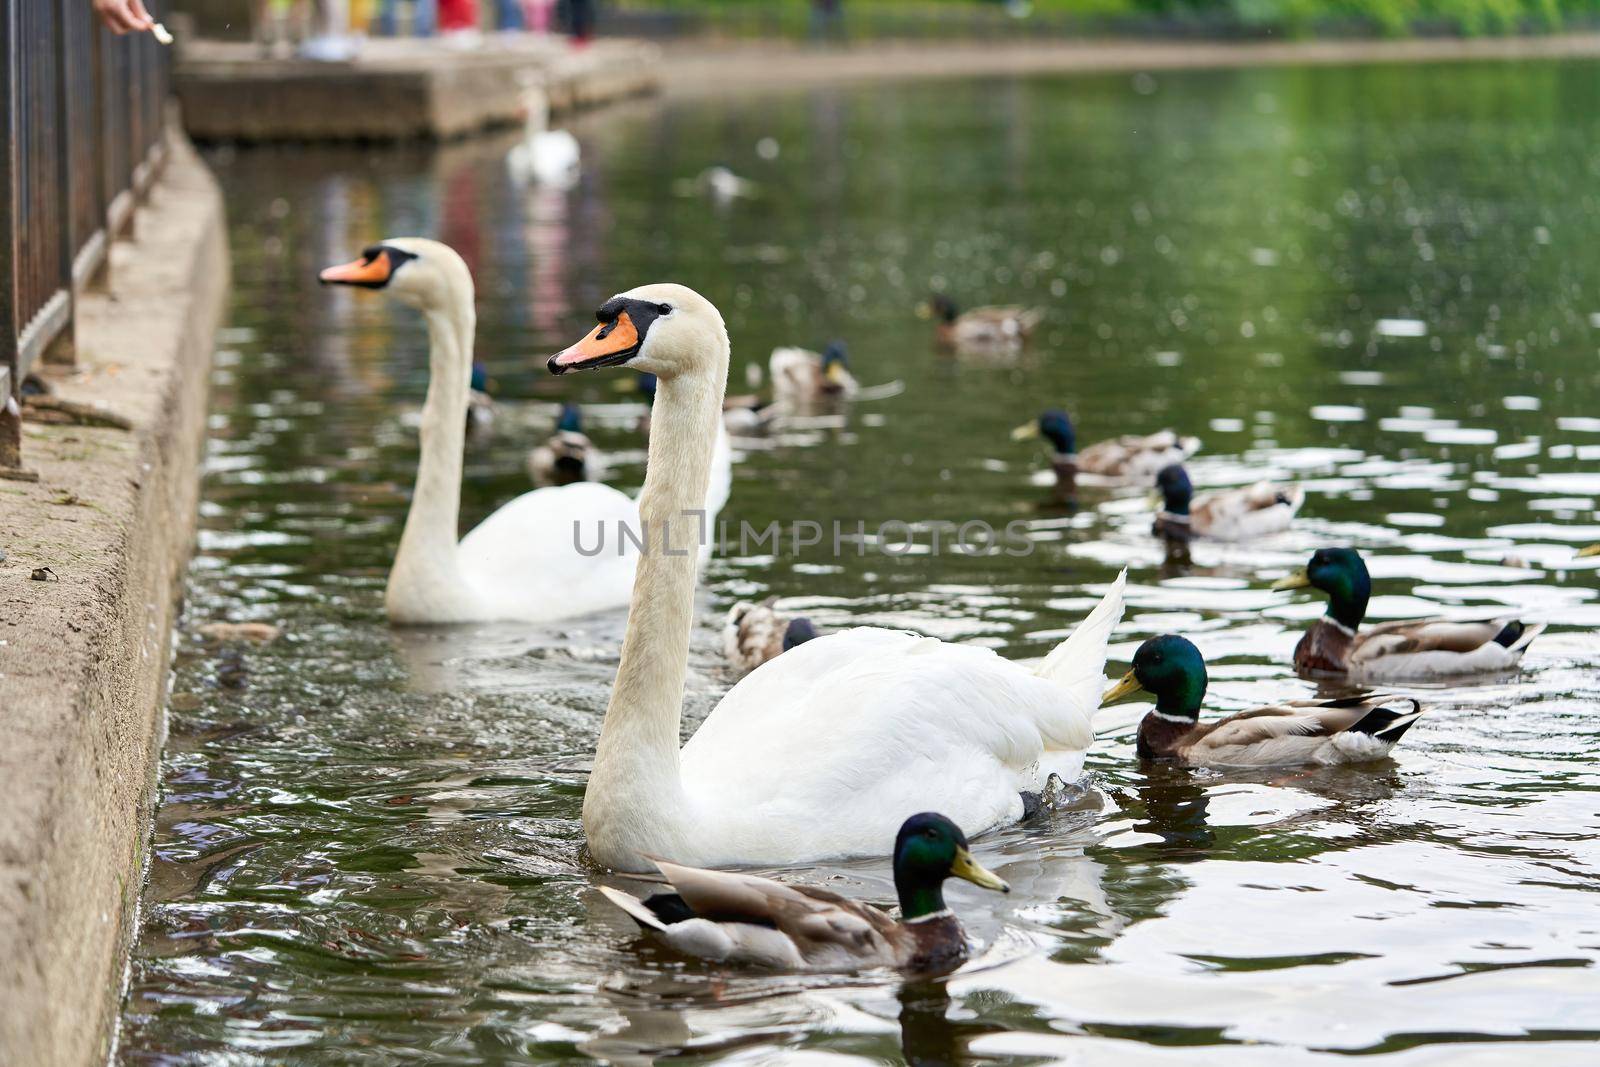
pixel 543 156
pixel 824 751
pixel 522 562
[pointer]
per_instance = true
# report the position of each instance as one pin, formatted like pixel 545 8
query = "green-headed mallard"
pixel 1171 669
pixel 1418 650
pixel 568 456
pixel 1001 326
pixel 1223 514
pixel 755 633
pixel 745 919
pixel 1129 459
pixel 801 376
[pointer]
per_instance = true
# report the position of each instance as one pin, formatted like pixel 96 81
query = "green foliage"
pixel 990 18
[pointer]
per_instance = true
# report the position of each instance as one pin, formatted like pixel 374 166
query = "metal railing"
pixel 82 115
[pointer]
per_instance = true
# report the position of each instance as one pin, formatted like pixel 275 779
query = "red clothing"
pixel 458 15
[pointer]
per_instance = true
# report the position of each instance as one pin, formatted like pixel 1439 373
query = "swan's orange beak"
pixel 606 345
pixel 372 272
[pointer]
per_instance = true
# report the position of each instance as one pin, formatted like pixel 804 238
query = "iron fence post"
pixel 10 409
pixel 62 350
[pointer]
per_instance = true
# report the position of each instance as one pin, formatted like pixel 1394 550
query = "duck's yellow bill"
pixel 1592 550
pixel 924 310
pixel 1026 432
pixel 835 373
pixel 1298 580
pixel 970 869
pixel 1126 690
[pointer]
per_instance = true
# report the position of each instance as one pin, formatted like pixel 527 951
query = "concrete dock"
pixel 92 559
pixel 400 89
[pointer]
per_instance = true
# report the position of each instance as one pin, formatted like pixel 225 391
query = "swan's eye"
pixel 665 309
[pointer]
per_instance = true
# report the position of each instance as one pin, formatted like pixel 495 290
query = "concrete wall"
pixel 84 658
pixel 399 90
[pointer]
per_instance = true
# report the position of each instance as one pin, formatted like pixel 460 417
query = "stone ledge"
pixel 84 659
pixel 399 90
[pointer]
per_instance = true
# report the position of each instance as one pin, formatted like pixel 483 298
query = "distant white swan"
pixel 522 562
pixel 543 156
pixel 827 749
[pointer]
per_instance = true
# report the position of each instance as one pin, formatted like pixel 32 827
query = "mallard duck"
pixel 1417 650
pixel 1006 326
pixel 480 405
pixel 1171 669
pixel 824 751
pixel 568 456
pixel 745 415
pixel 749 417
pixel 801 376
pixel 1223 514
pixel 1130 459
pixel 755 633
pixel 745 919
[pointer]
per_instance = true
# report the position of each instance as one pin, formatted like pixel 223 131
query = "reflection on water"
pixel 1375 282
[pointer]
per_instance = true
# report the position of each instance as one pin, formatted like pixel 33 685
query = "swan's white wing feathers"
pixel 1078 664
pixel 525 560
pixel 871 726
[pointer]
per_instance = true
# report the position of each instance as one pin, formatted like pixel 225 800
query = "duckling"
pixel 1006 326
pixel 1171 669
pixel 801 377
pixel 1226 514
pixel 480 405
pixel 567 456
pixel 737 918
pixel 755 633
pixel 1419 650
pixel 1129 459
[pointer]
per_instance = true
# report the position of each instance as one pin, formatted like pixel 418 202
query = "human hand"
pixel 124 16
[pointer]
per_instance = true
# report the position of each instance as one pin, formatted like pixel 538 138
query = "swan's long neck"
pixel 536 119
pixel 635 793
pixel 425 583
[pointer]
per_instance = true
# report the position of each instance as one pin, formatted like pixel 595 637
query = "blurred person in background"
pixel 424 17
pixel 508 15
pixel 580 21
pixel 827 20
pixel 279 26
pixel 536 15
pixel 331 40
pixel 458 22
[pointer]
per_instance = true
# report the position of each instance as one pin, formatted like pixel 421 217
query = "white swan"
pixel 521 563
pixel 543 156
pixel 824 751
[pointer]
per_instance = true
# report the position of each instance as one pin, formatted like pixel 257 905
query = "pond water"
pixel 1379 282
